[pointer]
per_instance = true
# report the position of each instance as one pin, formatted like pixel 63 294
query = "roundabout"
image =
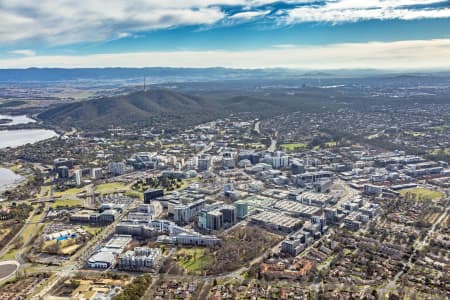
pixel 8 268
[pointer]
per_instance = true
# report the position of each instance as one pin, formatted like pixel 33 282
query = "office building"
pixel 78 176
pixel 241 209
pixel 184 213
pixel 140 259
pixel 96 173
pixel 116 168
pixel 214 220
pixel 63 172
pixel 204 162
pixel 149 195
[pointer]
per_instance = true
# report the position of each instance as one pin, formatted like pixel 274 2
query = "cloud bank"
pixel 401 55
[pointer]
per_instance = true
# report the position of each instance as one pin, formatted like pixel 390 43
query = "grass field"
pixel 10 255
pixel 439 128
pixel 30 230
pixel 414 133
pixel 112 187
pixel 293 146
pixel 421 194
pixel 66 202
pixel 92 230
pixel 70 192
pixel 193 260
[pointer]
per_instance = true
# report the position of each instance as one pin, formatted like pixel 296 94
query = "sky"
pixel 302 34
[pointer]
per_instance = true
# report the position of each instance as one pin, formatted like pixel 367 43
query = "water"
pixel 20 137
pixel 16 138
pixel 8 178
pixel 16 120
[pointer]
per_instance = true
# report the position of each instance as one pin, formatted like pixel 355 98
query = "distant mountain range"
pixel 155 75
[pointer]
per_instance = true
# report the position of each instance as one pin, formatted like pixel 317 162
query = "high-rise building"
pixel 214 220
pixel 116 168
pixel 97 173
pixel 204 162
pixel 229 213
pixel 78 176
pixel 241 209
pixel 63 172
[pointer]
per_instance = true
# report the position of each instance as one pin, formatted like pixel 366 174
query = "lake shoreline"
pixel 22 130
pixel 12 182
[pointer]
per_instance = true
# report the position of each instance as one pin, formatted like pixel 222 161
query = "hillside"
pixel 169 109
pixel 127 110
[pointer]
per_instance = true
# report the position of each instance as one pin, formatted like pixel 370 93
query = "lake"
pixel 16 120
pixel 8 178
pixel 20 137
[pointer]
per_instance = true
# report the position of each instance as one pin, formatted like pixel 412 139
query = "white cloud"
pixel 355 10
pixel 414 54
pixel 24 52
pixel 284 46
pixel 72 21
pixel 247 15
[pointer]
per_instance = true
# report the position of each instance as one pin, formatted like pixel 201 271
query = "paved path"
pixel 257 127
pixel 273 143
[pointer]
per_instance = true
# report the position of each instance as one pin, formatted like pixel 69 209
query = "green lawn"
pixel 193 260
pixel 421 193
pixel 135 194
pixel 10 255
pixel 66 202
pixel 28 231
pixel 69 192
pixel 414 133
pixel 439 128
pixel 92 230
pixel 112 187
pixel 293 146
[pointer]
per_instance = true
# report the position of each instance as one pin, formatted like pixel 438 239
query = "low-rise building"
pixel 140 259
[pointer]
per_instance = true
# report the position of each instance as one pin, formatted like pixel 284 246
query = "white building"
pixel 116 168
pixel 96 173
pixel 78 176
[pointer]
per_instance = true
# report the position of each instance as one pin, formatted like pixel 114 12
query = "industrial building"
pixel 311 177
pixel 106 257
pixel 314 199
pixel 296 209
pixel 276 221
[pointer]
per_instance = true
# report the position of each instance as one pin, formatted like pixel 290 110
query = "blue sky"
pixel 231 33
